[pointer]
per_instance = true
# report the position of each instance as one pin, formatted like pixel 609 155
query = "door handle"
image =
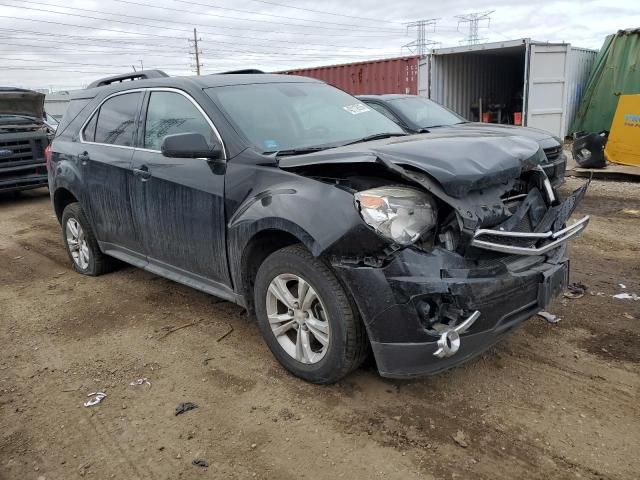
pixel 83 157
pixel 142 172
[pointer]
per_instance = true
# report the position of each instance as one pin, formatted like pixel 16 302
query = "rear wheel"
pixel 81 244
pixel 306 318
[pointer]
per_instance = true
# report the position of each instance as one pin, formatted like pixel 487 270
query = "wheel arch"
pixel 61 198
pixel 260 245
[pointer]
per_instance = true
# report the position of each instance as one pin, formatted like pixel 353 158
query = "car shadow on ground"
pixel 9 199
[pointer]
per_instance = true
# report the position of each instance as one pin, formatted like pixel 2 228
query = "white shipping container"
pixel 544 81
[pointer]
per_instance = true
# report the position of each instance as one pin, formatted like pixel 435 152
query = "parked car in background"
pixel 24 137
pixel 417 114
pixel 317 213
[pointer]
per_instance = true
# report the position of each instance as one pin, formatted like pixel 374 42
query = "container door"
pixel 547 88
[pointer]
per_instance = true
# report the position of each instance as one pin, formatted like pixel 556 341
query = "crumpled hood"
pixel 459 163
pixel 17 101
pixel 544 139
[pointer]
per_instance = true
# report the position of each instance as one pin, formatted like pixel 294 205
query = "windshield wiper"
pixel 296 151
pixel 377 136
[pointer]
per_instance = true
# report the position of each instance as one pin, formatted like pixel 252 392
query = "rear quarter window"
pixel 73 110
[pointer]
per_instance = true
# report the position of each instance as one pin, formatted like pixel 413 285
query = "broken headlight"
pixel 401 214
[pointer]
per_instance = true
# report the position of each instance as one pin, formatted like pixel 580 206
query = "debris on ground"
pixel 461 439
pixel 622 286
pixel 170 329
pixel 575 290
pixel 140 381
pixel 549 317
pixel 626 296
pixel 200 462
pixel 630 317
pixel 222 337
pixel 97 397
pixel 185 407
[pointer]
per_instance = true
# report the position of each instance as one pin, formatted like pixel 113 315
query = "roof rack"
pixel 143 75
pixel 244 71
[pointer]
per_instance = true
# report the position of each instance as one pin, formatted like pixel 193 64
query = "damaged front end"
pixel 491 255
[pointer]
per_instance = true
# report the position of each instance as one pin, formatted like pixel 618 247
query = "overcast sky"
pixel 63 44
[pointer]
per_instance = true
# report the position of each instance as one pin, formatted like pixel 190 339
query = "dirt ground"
pixel 551 401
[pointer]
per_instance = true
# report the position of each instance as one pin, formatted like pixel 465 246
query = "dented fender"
pixel 321 216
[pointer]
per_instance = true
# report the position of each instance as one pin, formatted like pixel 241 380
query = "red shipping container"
pixel 390 75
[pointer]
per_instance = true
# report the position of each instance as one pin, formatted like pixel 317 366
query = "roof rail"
pixel 244 71
pixel 142 75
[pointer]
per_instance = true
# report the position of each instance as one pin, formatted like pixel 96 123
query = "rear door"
pixel 547 87
pixel 182 219
pixel 105 154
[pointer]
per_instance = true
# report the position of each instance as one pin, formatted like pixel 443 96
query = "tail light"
pixel 47 156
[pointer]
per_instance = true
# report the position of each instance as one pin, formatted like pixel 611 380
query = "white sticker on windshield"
pixel 357 108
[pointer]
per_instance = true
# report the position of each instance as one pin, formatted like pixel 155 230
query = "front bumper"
pixel 34 177
pixel 398 302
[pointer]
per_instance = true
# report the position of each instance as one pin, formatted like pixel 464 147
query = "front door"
pixel 182 222
pixel 105 154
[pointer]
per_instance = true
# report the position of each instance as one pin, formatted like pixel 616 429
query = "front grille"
pixel 22 150
pixel 553 152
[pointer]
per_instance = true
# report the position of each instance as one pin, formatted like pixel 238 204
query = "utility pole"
pixel 421 44
pixel 196 51
pixel 474 19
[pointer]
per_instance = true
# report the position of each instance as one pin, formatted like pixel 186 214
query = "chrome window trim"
pixel 143 90
pixel 95 110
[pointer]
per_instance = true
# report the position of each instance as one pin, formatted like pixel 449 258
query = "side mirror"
pixel 189 145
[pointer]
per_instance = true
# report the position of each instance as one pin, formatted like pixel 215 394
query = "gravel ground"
pixel 551 401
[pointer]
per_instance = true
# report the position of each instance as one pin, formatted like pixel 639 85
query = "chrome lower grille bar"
pixel 559 237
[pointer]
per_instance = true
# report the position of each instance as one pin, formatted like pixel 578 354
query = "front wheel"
pixel 306 318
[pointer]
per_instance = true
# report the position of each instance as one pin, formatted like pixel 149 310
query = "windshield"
pixel 293 116
pixel 425 113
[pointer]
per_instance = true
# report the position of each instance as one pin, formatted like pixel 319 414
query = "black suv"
pixel 315 212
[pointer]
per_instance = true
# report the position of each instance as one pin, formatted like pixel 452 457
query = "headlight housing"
pixel 401 214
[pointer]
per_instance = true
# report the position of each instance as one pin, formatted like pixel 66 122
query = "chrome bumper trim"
pixel 449 341
pixel 559 237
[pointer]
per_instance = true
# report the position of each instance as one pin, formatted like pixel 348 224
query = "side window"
pixel 117 120
pixel 89 132
pixel 379 108
pixel 169 113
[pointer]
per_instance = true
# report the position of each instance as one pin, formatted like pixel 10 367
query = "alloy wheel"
pixel 298 318
pixel 77 242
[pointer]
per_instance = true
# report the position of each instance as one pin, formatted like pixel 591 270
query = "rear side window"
pixel 170 113
pixel 117 120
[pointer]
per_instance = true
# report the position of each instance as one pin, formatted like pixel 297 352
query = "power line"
pixel 199 13
pixel 369 28
pixel 161 21
pixel 321 11
pixel 63 39
pixel 67 63
pixel 74 51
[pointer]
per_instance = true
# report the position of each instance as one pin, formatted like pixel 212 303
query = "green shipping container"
pixel 616 72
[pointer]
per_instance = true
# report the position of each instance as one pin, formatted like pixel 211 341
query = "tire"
pixel 92 261
pixel 336 340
